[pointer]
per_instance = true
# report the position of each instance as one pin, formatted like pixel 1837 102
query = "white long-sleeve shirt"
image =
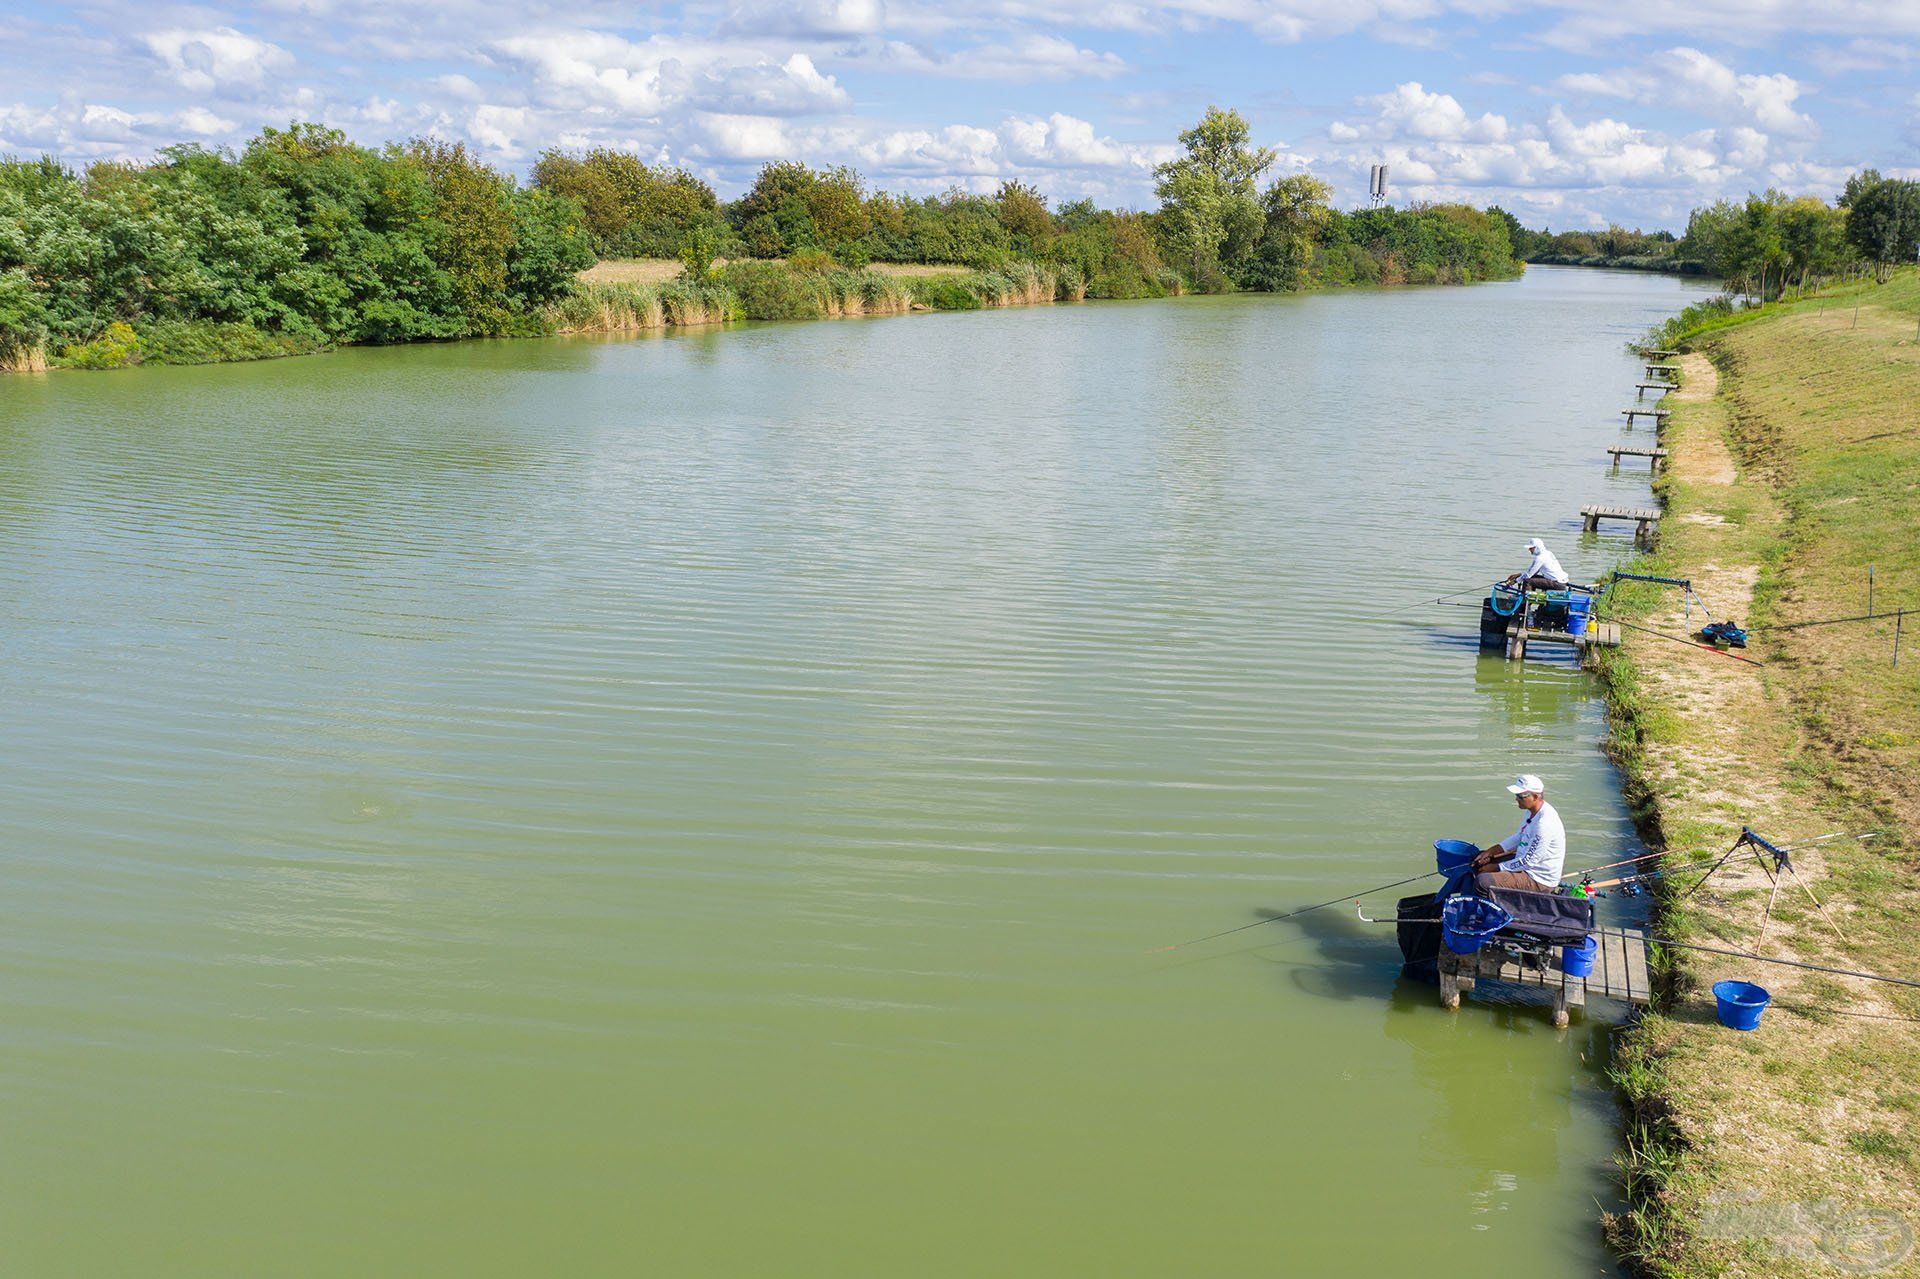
pixel 1544 565
pixel 1539 847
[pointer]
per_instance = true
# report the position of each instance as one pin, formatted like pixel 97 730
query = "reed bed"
pixel 23 359
pixel 787 291
pixel 606 306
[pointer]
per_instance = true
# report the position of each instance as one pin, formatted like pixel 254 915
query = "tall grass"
pixel 23 359
pixel 618 306
pixel 803 290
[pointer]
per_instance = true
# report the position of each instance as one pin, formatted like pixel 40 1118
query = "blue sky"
pixel 1571 113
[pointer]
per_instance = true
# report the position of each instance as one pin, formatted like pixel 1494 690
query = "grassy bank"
pixel 1795 465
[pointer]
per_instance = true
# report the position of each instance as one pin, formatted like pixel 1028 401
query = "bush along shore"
pixel 1794 467
pixel 304 240
pixel 1767 246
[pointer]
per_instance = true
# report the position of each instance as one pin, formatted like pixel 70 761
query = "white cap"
pixel 1527 784
pixel 1535 544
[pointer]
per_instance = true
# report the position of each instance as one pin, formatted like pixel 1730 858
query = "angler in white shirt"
pixel 1543 573
pixel 1534 856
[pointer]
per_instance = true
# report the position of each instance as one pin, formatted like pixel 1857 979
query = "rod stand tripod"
pixel 1776 863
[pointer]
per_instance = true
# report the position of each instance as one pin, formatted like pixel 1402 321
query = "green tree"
pixel 1813 235
pixel 1023 211
pixel 1210 212
pixel 1295 214
pixel 698 251
pixel 1859 184
pixel 1883 223
pixel 551 245
pixel 631 209
pixel 473 229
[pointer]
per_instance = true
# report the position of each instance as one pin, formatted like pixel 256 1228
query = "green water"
pixel 698 805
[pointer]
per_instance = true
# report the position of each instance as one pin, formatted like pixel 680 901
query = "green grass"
pixel 1816 405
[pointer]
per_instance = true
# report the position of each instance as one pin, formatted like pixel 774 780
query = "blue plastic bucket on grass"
pixel 1450 855
pixel 1467 922
pixel 1577 961
pixel 1579 608
pixel 1741 1003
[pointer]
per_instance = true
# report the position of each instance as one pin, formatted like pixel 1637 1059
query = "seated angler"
pixel 1532 857
pixel 1543 573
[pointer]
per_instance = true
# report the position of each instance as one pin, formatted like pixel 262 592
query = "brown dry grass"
pixel 30 359
pixel 631 271
pixel 660 270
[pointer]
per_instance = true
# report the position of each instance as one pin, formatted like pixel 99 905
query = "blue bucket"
pixel 1467 922
pixel 1577 961
pixel 1579 608
pixel 1450 855
pixel 1741 1003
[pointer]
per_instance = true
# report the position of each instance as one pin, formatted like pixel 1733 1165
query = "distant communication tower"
pixel 1377 185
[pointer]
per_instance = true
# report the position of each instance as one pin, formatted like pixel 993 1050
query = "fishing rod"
pixel 1401 883
pixel 1626 938
pixel 1681 869
pixel 1472 590
pixel 1762 959
pixel 1681 639
pixel 1881 616
pixel 1274 919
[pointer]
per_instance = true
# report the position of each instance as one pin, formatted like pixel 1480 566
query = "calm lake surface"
pixel 699 805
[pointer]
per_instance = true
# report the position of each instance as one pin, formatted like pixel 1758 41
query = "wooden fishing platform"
pixel 1654 456
pixel 1659 415
pixel 1585 645
pixel 1619 972
pixel 1644 387
pixel 1653 353
pixel 1662 368
pixel 1644 521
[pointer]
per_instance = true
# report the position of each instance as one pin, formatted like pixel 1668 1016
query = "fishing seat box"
pixel 1559 918
pixel 1552 919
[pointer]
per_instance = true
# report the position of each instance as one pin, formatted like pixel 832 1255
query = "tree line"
pixel 1216 228
pixel 303 239
pixel 1765 245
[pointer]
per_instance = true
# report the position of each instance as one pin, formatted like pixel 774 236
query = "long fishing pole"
pixel 1762 959
pixel 1472 590
pixel 1827 621
pixel 1681 639
pixel 1401 883
pixel 1626 938
pixel 1793 847
pixel 1274 919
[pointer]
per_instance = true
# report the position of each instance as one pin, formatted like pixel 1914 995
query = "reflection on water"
pixel 527 806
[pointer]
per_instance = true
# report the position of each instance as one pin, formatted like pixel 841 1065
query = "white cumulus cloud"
pixel 595 69
pixel 217 59
pixel 1690 80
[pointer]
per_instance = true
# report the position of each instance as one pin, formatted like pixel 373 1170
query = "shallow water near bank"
pixel 701 804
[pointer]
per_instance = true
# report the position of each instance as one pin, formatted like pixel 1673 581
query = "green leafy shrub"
pixel 212 342
pixel 116 348
pixel 945 293
pixel 772 291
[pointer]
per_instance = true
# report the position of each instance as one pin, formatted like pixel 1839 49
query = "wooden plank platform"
pixel 1644 521
pixel 1662 368
pixel 1598 635
pixel 1654 456
pixel 1652 354
pixel 1656 386
pixel 1619 972
pixel 1657 414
